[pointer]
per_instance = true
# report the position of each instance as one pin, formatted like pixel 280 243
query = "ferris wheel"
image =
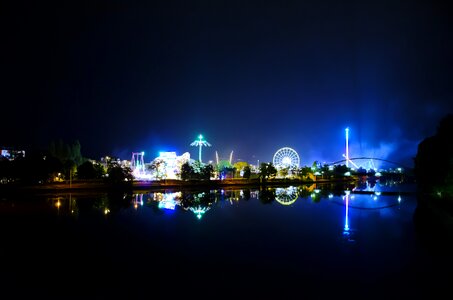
pixel 286 157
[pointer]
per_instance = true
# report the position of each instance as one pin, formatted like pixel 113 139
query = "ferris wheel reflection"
pixel 286 196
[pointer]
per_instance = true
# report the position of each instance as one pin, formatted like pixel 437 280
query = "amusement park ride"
pixel 138 163
pixel 200 142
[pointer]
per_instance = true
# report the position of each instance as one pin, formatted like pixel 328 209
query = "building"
pixel 11 154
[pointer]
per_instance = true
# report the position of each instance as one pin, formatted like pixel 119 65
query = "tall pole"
pixel 347 147
pixel 199 153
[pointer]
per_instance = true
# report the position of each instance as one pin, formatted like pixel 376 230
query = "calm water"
pixel 300 242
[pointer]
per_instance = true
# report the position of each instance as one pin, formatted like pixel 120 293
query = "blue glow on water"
pixel 346 220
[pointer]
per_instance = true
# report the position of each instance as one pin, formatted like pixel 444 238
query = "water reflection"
pixel 200 202
pixel 332 233
pixel 347 232
pixel 286 196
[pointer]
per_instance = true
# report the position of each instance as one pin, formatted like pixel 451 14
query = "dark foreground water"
pixel 298 242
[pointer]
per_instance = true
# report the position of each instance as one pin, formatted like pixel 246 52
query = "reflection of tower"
pixel 199 210
pixel 138 200
pixel 137 163
pixel 347 233
pixel 346 220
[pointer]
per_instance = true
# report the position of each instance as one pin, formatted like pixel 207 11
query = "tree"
pixel 68 154
pixel 119 176
pixel 340 170
pixel 225 169
pixel 158 167
pixel 187 171
pixel 267 170
pixel 240 166
pixel 247 172
pixel 206 172
pixel 284 172
pixel 88 170
pixel 434 159
pixel 267 195
pixel 65 152
pixel 326 173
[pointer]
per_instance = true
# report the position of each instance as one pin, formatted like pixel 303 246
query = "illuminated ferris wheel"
pixel 286 158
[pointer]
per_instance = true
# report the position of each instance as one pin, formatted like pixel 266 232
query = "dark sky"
pixel 252 76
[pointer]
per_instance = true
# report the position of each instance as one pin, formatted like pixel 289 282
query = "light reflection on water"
pixel 312 233
pixel 202 201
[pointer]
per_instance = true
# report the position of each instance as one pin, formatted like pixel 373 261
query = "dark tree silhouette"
pixel 247 172
pixel 267 170
pixel 434 160
pixel 88 170
pixel 187 171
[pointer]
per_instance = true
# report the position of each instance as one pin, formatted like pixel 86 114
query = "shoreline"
pixel 100 186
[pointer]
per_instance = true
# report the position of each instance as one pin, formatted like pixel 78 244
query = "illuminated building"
pixel 168 164
pixel 11 154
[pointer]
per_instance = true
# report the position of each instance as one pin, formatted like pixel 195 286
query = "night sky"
pixel 251 76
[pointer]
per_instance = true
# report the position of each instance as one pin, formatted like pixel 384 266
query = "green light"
pixel 200 143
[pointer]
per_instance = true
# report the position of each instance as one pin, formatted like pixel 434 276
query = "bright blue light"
pixel 167 204
pixel 346 222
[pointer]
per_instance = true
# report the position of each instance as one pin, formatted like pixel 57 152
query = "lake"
pixel 302 242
